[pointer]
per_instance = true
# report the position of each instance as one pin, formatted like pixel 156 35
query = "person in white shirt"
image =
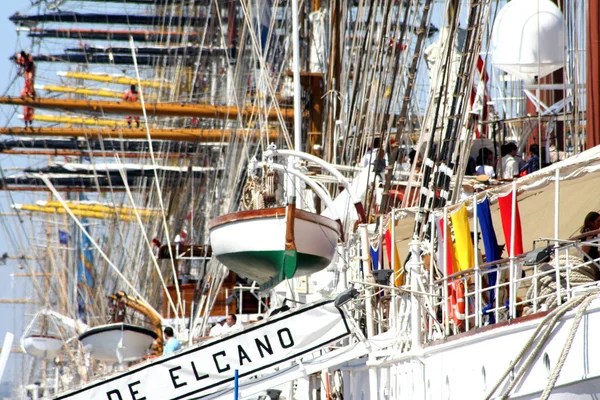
pixel 485 159
pixel 218 328
pixel 230 324
pixel 510 166
pixel 370 157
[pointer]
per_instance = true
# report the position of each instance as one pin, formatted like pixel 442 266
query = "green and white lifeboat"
pixel 268 246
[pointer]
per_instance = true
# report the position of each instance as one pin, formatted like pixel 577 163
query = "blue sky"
pixel 10 315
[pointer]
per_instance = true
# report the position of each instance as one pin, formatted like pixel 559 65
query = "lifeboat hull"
pixel 44 347
pixel 252 243
pixel 117 342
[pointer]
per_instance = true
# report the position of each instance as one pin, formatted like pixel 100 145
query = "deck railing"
pixel 518 290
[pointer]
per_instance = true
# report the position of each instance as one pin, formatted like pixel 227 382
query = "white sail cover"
pixel 209 367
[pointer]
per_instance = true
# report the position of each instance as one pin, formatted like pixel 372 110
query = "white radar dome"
pixel 528 38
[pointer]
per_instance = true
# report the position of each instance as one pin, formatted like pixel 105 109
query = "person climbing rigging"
pixel 132 96
pixel 27 111
pixel 27 68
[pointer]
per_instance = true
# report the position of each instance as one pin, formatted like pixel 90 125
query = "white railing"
pixel 238 293
pixel 523 291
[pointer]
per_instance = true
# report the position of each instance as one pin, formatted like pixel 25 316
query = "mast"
pixel 593 73
pixel 297 105
pixel 402 118
pixel 333 80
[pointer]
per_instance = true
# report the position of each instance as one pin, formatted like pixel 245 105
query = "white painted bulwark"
pixel 209 367
pixel 468 367
pixel 117 342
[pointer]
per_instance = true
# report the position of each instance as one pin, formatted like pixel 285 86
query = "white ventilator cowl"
pixel 528 38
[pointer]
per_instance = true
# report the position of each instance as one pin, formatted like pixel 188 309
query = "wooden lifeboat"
pixel 118 342
pixel 267 247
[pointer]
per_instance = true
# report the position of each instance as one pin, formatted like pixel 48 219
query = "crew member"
pixel 230 324
pixel 27 69
pixel 591 223
pixel 132 96
pixel 27 111
pixel 171 342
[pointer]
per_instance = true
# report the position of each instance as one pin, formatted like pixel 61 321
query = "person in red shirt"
pixel 27 68
pixel 132 96
pixel 27 111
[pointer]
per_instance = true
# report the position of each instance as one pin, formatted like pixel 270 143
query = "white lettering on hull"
pixel 203 369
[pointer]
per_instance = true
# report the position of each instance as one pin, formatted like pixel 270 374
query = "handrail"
pixel 273 151
pixel 585 235
pixel 571 241
pixel 537 299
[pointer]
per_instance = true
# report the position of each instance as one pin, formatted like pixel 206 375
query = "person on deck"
pixel 132 96
pixel 371 157
pixel 377 159
pixel 485 159
pixel 171 342
pixel 230 324
pixel 217 329
pixel 591 223
pixel 510 166
pixel 27 68
pixel 533 162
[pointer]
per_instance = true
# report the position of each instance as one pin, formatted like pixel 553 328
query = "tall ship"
pixel 304 200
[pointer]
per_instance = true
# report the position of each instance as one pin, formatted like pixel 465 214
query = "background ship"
pixel 218 78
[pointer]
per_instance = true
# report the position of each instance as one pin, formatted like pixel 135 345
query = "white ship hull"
pixel 468 367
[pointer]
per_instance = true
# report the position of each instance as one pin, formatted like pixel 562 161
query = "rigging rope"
pixel 263 71
pixel 56 194
pixel 157 183
pixel 528 354
pixel 545 287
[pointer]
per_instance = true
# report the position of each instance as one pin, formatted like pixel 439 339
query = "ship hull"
pixel 468 367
